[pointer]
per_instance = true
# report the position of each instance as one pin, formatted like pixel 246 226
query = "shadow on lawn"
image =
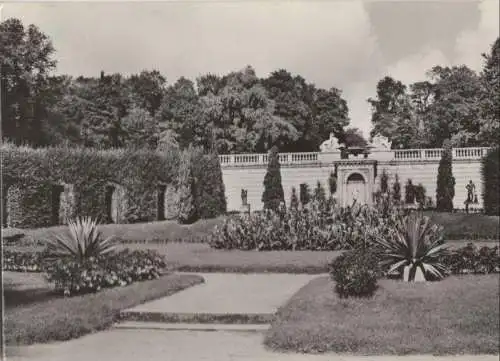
pixel 21 297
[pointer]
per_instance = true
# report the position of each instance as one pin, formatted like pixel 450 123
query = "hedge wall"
pixel 87 175
pixel 490 173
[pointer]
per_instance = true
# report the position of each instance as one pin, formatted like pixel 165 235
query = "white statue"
pixel 330 145
pixel 380 143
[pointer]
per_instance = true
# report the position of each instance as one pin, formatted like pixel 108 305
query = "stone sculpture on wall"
pixel 380 143
pixel 330 145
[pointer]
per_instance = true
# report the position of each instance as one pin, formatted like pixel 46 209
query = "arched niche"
pixel 116 203
pixel 161 202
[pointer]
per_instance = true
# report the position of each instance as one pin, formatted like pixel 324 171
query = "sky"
pixel 349 45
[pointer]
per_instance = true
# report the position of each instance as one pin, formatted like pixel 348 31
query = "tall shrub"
pixel 445 190
pixel 409 192
pixel 305 194
pixel 420 195
pixel 384 182
pixel 490 175
pixel 332 183
pixel 187 208
pixel 294 201
pixel 273 194
pixel 319 193
pixel 396 190
pixel 210 199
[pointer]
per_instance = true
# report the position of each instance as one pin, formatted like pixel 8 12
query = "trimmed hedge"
pixel 31 174
pixel 46 185
pixel 490 173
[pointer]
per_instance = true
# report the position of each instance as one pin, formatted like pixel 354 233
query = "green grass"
pixel 153 232
pixel 202 258
pixel 462 226
pixel 453 316
pixel 48 318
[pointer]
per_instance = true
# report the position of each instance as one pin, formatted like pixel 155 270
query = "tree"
pixel 409 192
pixel 294 202
pixel 396 190
pixel 147 90
pixel 489 130
pixel 453 113
pixel 384 182
pixel 25 63
pixel 240 115
pixel 319 193
pixel 273 194
pixel 445 190
pixel 305 194
pixel 332 183
pixel 140 129
pixel 420 195
pixel 353 138
pixel 187 207
pixel 313 112
pixel 391 113
pixel 210 197
pixel 490 174
pixel 179 114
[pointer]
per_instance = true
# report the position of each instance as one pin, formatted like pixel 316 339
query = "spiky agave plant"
pixel 415 243
pixel 83 242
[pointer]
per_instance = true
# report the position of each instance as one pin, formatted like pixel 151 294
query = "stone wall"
pixel 420 166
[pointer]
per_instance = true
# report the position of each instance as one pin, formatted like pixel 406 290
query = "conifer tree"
pixel 273 194
pixel 445 190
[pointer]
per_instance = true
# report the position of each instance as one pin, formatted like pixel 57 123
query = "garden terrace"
pixel 246 171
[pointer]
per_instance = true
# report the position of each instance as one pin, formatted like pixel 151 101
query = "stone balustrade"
pixel 243 160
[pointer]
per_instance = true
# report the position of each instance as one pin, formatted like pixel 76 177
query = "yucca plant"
pixel 415 245
pixel 83 242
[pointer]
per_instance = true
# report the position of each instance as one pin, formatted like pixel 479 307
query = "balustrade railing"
pixel 318 157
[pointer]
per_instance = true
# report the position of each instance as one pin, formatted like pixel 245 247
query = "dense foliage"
pixel 455 104
pixel 472 259
pixel 47 186
pixel 85 181
pixel 355 273
pixel 490 174
pixel 187 209
pixel 273 196
pixel 233 113
pixel 72 277
pixel 445 190
pixel 314 227
pixel 210 194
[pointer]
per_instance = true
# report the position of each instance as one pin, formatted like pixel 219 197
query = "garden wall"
pixel 44 187
pixel 251 176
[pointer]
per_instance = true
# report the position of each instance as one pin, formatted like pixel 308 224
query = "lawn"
pixel 34 315
pixel 457 227
pixel 462 226
pixel 153 232
pixel 456 315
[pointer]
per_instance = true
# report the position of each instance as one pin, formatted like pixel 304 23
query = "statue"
pixel 471 195
pixel 244 193
pixel 330 145
pixel 380 143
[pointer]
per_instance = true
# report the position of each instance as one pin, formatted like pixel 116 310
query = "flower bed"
pixel 72 277
pixel 315 228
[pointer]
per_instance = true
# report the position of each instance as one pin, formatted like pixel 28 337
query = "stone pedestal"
pixel 245 208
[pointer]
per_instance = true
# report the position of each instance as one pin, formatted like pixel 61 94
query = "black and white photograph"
pixel 250 180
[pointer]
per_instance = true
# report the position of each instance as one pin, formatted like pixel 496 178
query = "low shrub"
pixel 355 273
pixel 120 269
pixel 472 259
pixel 71 277
pixel 317 227
pixel 23 261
